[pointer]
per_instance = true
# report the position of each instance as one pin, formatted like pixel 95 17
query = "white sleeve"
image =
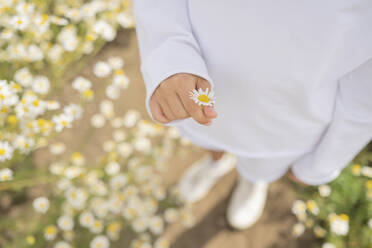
pixel 348 133
pixel 166 42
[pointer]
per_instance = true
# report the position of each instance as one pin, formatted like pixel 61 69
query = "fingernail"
pixel 208 123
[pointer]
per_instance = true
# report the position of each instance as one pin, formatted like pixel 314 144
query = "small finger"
pixel 157 112
pixel 177 107
pixel 209 112
pixel 166 109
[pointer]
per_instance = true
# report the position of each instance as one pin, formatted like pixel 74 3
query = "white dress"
pixel 292 78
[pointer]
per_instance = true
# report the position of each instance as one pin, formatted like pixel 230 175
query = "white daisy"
pixel 6 175
pixel 62 121
pixel 57 148
pixel 116 62
pixel 101 69
pixel 41 85
pixel 121 80
pixel 203 97
pixel 324 190
pixel 124 20
pixel 161 243
pixel 171 215
pixel 328 245
pixel 23 77
pixel 55 52
pixel 98 120
pixel 50 232
pixel 19 22
pixel 298 229
pixel 107 108
pixel 65 223
pixel 34 53
pixel 81 84
pixel 131 118
pixel 62 244
pixel 113 92
pixel 6 151
pixel 41 204
pixel 100 241
pixel 105 30
pixel 74 110
pixel 86 219
pixel 156 225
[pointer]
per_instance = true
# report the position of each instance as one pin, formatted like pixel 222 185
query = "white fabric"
pixel 292 77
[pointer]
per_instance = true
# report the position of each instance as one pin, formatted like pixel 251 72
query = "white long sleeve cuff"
pixel 167 43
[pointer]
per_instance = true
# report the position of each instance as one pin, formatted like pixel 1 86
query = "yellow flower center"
pixel 2 151
pixel 203 98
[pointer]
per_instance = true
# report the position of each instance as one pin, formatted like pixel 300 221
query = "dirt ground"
pixel 211 230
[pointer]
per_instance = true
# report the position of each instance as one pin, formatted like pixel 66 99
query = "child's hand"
pixel 171 100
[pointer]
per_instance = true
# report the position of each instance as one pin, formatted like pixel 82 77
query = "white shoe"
pixel 203 175
pixel 246 204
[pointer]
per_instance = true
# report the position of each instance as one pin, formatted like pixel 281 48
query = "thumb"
pixel 209 112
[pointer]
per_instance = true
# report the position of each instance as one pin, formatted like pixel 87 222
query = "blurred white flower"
pixel 324 190
pixel 118 181
pixel 62 121
pixel 143 145
pixel 41 85
pixel 121 81
pixel 107 109
pixel 112 168
pixel 116 62
pixel 124 20
pixel 161 243
pixel 20 22
pixel 74 110
pixel 50 232
pixel 62 244
pixel 125 149
pixel 68 38
pixel 105 30
pixel 101 69
pixel 100 241
pixel 298 229
pixel 140 224
pixel 171 215
pixel 6 151
pixel 367 171
pixel 81 84
pixel 23 77
pixel 299 207
pixel 339 224
pixel 65 223
pixel 156 225
pixel 131 118
pixel 98 120
pixel 328 245
pixel 41 204
pixel 119 135
pixel 86 219
pixel 113 92
pixel 6 175
pixel 370 223
pixel 57 148
pixel 34 53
